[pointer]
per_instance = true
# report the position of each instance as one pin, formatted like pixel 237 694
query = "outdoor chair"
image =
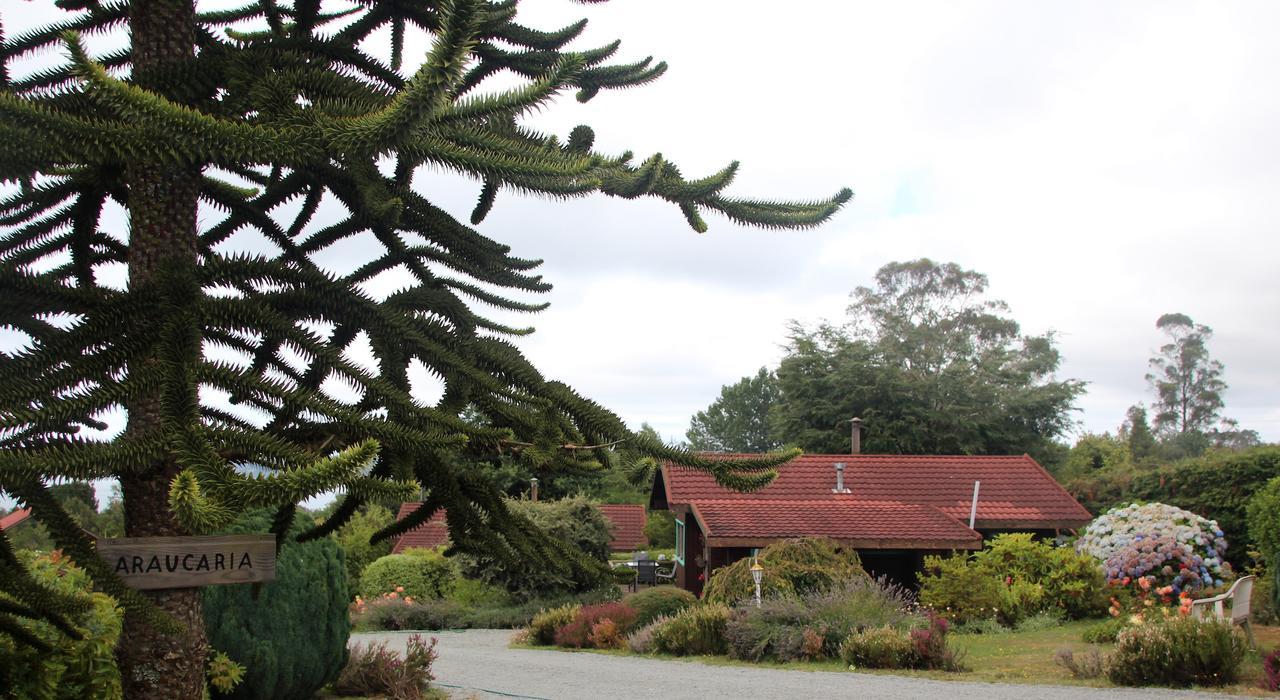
pixel 667 575
pixel 646 572
pixel 1238 594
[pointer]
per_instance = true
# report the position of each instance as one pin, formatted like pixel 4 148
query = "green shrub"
pixel 290 634
pixel 695 631
pixel 1104 632
pixel 877 647
pixel 773 630
pixel 653 602
pixel 521 614
pixel 987 625
pixel 73 668
pixel 641 641
pixel 791 568
pixel 660 528
pixel 1013 577
pixel 1039 622
pixel 574 522
pixel 478 594
pixel 543 626
pixel 421 574
pixel 1177 651
pixel 354 540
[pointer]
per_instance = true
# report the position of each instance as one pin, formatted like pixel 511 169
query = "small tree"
pixel 274 121
pixel 738 420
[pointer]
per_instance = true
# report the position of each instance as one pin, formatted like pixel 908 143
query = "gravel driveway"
pixel 478 663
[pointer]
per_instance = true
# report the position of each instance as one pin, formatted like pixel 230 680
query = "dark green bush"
pixel 291 636
pixel 423 574
pixel 1178 652
pixel 651 603
pixel 74 668
pixel 791 568
pixel 1216 486
pixel 573 521
pixel 695 631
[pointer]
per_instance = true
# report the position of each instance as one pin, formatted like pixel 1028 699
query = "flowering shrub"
pixel 1177 651
pixel 421 573
pixel 376 670
pixel 885 647
pixel 543 626
pixel 581 630
pixel 1157 548
pixel 396 611
pixel 1271 671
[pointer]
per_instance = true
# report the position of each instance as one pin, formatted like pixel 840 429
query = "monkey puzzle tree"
pixel 210 123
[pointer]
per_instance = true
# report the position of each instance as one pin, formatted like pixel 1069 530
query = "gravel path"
pixel 479 664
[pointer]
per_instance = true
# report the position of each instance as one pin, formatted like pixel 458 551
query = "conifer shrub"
pixel 63 666
pixel 697 630
pixel 791 568
pixel 291 633
pixel 1177 651
pixel 421 574
pixel 652 603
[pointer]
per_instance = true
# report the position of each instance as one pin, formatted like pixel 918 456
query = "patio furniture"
pixel 646 572
pixel 668 574
pixel 1238 594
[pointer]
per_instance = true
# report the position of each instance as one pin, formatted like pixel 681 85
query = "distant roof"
pixel 858 523
pixel 626 524
pixel 14 518
pixel 432 533
pixel 1016 492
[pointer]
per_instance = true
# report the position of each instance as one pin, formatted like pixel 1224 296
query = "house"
pixel 12 519
pixel 893 509
pixel 626 526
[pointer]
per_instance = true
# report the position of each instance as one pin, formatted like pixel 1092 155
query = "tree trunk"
pixel 162 214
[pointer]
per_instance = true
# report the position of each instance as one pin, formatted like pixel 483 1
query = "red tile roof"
pixel 432 533
pixel 14 518
pixel 626 524
pixel 1016 492
pixel 860 523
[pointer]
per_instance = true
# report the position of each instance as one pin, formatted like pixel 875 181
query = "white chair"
pixel 1239 595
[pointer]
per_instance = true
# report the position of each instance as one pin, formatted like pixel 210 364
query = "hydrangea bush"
pixel 1157 546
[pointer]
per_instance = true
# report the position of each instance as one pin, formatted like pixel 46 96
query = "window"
pixel 680 542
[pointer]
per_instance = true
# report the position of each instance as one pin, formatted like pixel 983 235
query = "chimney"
pixel 533 488
pixel 840 479
pixel 855 437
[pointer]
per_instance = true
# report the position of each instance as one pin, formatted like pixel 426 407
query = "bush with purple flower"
pixel 1159 546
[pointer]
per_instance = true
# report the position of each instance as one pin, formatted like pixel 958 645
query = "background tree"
pixel 1137 435
pixel 737 421
pixel 245 121
pixel 1187 382
pixel 930 365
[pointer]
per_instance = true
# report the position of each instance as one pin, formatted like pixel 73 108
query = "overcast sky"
pixel 1103 163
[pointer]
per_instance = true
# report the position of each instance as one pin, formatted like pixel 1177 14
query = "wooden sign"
pixel 190 562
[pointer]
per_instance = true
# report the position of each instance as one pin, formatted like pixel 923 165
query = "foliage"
pixel 1137 436
pixel 738 420
pixel 641 640
pixel 585 631
pixel 696 630
pixel 38 660
pixel 1188 384
pixel 290 634
pixel 886 647
pixel 418 573
pixel 1271 671
pixel 543 626
pixel 791 568
pixel 655 602
pixel 815 624
pixel 356 537
pixel 572 521
pixel 1093 453
pixel 290 135
pixel 477 594
pixel 1087 665
pixel 391 612
pixel 375 670
pixel 931 366
pixel 1038 622
pixel 1012 578
pixel 1154 546
pixel 1104 632
pixel 1177 651
pixel 1217 485
pixel 224 674
pixel 660 528
pixel 1263 514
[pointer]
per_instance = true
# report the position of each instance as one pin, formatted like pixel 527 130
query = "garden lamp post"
pixel 757 573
